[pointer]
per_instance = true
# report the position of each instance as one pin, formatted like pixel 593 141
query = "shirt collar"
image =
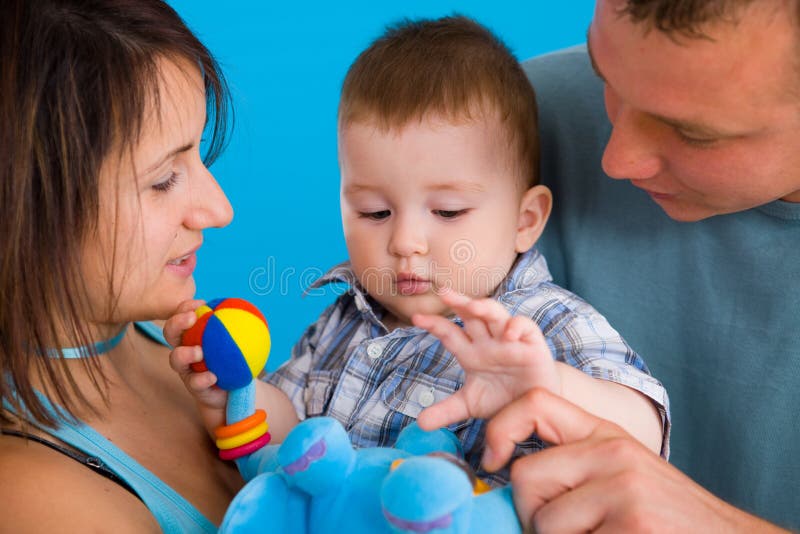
pixel 529 269
pixel 343 273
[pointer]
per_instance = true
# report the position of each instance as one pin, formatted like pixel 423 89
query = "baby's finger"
pixel 482 317
pixel 189 305
pixel 533 336
pixel 519 327
pixel 476 329
pixel 200 382
pixel 459 303
pixel 491 313
pixel 450 334
pixel 451 410
pixel 176 325
pixel 182 357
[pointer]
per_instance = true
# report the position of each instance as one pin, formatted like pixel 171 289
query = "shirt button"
pixel 426 398
pixel 374 351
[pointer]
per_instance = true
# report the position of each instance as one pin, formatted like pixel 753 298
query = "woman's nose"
pixel 210 207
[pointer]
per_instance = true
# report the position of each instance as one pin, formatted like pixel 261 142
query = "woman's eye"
pixel 449 214
pixel 375 215
pixel 167 184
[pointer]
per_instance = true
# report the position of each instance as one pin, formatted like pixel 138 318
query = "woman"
pixel 103 105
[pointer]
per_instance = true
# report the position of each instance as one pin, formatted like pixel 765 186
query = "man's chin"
pixel 683 212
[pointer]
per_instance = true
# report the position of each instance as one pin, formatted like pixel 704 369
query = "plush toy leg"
pixel 494 511
pixel 266 504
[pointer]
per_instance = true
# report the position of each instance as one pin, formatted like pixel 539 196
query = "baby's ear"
pixel 534 209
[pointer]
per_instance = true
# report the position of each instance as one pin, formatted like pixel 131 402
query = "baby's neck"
pixel 392 323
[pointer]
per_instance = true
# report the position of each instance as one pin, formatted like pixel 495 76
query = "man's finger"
pixel 554 419
pixel 543 507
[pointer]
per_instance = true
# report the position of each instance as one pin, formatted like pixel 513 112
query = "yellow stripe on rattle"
pixel 245 437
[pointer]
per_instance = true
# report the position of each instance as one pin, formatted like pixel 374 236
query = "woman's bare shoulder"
pixel 43 490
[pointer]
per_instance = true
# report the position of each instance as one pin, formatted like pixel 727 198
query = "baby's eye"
pixel 167 184
pixel 449 214
pixel 374 215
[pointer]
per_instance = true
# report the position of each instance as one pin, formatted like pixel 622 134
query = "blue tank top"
pixel 173 513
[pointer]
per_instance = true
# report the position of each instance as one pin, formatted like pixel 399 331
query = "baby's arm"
pixel 210 400
pixel 504 356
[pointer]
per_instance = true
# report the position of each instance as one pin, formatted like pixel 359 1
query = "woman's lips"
pixel 183 266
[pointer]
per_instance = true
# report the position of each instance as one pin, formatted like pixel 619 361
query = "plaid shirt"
pixel 348 366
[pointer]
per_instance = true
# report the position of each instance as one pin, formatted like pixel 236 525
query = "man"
pixel 692 252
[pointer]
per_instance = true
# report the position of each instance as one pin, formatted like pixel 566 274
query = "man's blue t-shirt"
pixel 713 306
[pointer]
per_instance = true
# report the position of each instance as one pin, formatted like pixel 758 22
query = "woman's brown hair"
pixel 76 77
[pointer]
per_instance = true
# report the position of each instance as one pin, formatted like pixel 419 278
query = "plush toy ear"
pixel 427 494
pixel 317 456
pixel 418 442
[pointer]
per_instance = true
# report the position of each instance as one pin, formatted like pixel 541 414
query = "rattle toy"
pixel 235 338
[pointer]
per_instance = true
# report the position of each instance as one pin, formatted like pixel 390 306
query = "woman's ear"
pixel 534 209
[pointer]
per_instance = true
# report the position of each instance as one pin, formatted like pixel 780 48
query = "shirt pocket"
pixel 318 392
pixel 408 392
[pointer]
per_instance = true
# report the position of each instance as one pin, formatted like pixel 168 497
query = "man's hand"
pixel 598 478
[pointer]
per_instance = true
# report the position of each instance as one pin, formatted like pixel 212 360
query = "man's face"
pixel 705 126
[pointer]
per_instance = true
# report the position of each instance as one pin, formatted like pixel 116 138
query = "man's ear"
pixel 534 209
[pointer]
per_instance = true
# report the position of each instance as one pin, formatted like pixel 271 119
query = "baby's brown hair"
pixel 452 67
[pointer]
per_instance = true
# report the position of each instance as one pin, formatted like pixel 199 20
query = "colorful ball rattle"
pixel 235 338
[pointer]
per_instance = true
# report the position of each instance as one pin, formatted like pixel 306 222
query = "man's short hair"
pixel 685 17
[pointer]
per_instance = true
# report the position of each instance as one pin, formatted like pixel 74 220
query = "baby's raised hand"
pixel 502 356
pixel 210 400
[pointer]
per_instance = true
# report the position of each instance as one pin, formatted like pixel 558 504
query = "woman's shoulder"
pixel 44 490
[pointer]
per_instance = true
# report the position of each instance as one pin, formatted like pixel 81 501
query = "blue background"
pixel 285 64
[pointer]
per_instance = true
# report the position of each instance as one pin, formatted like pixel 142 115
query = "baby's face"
pixel 432 205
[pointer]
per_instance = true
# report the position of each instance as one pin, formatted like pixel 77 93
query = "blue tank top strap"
pixel 171 510
pixel 152 331
pixel 173 513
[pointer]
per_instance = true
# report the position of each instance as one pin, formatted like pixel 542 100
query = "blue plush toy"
pixel 315 482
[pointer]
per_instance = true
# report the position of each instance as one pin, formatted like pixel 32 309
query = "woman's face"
pixel 155 201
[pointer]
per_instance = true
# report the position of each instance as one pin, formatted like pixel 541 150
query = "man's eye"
pixel 449 214
pixel 375 215
pixel 696 141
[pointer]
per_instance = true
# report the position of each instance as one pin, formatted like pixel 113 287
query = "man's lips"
pixel 652 193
